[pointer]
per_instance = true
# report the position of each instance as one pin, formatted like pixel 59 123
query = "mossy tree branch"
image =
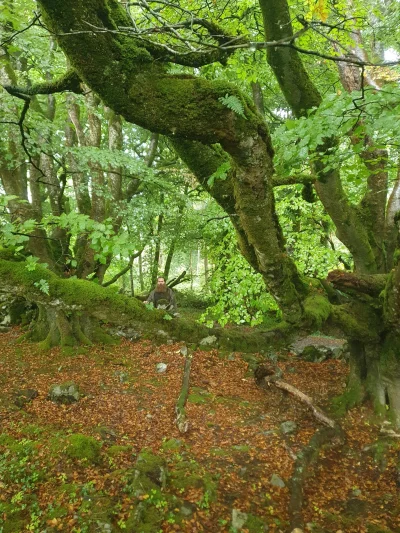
pixel 124 73
pixel 302 96
pixel 70 81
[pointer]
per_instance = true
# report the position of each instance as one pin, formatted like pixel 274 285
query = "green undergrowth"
pixel 89 481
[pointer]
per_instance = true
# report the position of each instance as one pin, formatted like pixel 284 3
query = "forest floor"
pixel 229 462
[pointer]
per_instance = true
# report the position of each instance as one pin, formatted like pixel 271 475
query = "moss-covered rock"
pixel 172 444
pixel 254 524
pixel 115 451
pixel 83 448
pixel 65 393
pixel 189 474
pixel 149 473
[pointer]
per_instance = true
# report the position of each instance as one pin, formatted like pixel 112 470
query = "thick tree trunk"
pixel 56 326
pixel 375 375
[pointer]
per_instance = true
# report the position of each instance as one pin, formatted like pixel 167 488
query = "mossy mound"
pixel 150 473
pixel 115 451
pixel 199 396
pixel 83 448
pixel 189 474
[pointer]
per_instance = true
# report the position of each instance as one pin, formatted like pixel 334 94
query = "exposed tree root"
pixel 181 419
pixel 305 459
pixel 266 375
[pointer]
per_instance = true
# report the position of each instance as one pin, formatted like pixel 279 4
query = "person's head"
pixel 161 285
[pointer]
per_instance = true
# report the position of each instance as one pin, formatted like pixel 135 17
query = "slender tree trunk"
pixel 141 277
pixel 131 278
pixel 157 251
pixel 205 267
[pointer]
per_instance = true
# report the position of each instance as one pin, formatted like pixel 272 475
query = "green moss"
pixel 358 321
pixel 189 474
pixel 45 345
pixel 220 452
pixel 32 430
pixel 7 440
pixel 56 512
pixel 353 396
pixel 199 396
pixel 71 489
pixel 148 474
pixel 172 444
pixel 83 448
pixel 146 518
pixel 14 525
pixel 317 310
pixel 254 524
pixel 390 359
pixel 241 448
pixel 102 337
pixel 114 451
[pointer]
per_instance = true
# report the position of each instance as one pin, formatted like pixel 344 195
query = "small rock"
pixel 277 481
pixel 22 397
pixel 184 350
pixel 208 341
pixel 187 509
pixel 242 471
pixel 123 376
pixel 238 519
pixel 297 530
pixel 288 427
pixel 161 368
pixel 65 393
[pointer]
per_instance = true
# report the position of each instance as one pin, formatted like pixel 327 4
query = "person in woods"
pixel 162 297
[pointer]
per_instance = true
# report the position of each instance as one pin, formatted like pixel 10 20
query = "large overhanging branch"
pixel 196 49
pixel 347 282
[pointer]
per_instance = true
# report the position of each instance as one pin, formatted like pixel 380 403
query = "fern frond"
pixel 232 102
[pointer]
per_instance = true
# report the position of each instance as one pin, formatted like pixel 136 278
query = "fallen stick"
pixel 269 374
pixel 319 415
pixel 181 419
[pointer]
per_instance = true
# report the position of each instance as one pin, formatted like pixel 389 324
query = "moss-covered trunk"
pixel 375 375
pixel 54 326
pixel 131 77
pixel 70 312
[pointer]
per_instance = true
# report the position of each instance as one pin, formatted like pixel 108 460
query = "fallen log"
pixel 181 419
